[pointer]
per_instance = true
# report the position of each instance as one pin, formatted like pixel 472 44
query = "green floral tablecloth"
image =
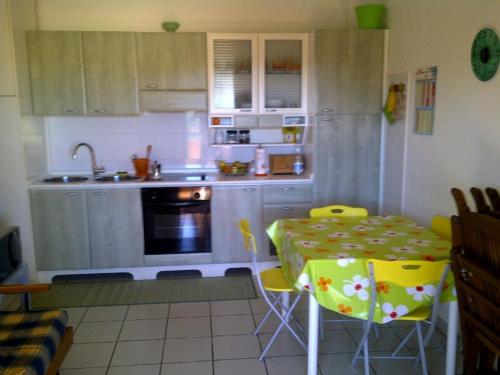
pixel 327 257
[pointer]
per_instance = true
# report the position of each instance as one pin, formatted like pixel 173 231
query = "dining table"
pixel 326 258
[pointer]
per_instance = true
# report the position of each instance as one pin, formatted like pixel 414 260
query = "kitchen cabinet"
pixel 110 73
pixel 349 69
pixel 229 205
pixel 172 61
pixel 115 227
pixel 56 72
pixel 60 229
pixel 173 101
pixel 7 72
pixel 241 83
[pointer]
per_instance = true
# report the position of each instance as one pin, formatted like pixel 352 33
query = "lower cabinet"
pixel 229 205
pixel 60 229
pixel 78 229
pixel 115 227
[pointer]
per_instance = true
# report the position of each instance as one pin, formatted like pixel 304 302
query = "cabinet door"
pixel 56 70
pixel 232 76
pixel 283 68
pixel 229 206
pixel 348 161
pixel 172 61
pixel 115 226
pixel 110 73
pixel 349 70
pixel 7 72
pixel 60 229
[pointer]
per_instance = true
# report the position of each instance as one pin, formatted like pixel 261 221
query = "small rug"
pixel 106 293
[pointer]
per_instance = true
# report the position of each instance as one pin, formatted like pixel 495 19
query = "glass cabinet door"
pixel 283 78
pixel 233 78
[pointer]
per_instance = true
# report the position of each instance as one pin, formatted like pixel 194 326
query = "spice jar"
pixel 244 136
pixel 232 136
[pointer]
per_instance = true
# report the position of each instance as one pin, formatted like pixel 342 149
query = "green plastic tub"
pixel 370 16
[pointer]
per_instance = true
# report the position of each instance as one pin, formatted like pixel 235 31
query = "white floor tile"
pixel 236 307
pixel 392 367
pixel 259 306
pixel 303 318
pixel 97 332
pixel 135 370
pixel 105 313
pixel 236 347
pixel 188 350
pixel 341 364
pixel 191 368
pixel 89 355
pixel 129 353
pixel 75 314
pixel 84 371
pixel 337 342
pixel 146 329
pixel 270 325
pixel 189 309
pixel 240 367
pixel 290 365
pixel 388 340
pixel 284 345
pixel 151 311
pixel 232 325
pixel 437 341
pixel 188 327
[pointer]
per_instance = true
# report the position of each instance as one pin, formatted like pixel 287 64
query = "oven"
pixel 176 220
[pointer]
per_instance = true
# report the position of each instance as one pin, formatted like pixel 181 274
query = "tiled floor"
pixel 215 338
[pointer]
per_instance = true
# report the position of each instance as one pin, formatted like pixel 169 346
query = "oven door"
pixel 177 227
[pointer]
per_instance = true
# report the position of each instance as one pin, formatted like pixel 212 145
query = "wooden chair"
pixel 481 205
pixel 476 267
pixel 38 335
pixel 494 198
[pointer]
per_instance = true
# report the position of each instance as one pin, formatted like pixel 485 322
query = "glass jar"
pixel 232 136
pixel 244 136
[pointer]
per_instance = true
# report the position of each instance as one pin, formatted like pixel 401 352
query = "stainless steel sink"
pixel 65 179
pixel 116 178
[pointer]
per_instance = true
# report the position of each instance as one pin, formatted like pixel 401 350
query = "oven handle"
pixel 177 204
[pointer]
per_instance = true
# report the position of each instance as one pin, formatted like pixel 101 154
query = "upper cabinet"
pixel 257 73
pixel 349 71
pixel 56 70
pixel 110 73
pixel 172 61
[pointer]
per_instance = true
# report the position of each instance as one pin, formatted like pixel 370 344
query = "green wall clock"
pixel 485 54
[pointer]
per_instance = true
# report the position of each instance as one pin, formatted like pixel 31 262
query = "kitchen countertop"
pixel 177 179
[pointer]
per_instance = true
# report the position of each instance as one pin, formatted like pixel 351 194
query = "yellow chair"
pixel 273 286
pixel 337 210
pixel 405 273
pixel 441 225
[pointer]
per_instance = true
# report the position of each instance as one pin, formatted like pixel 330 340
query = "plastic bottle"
pixel 298 163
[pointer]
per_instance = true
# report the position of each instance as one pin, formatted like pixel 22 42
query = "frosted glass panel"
pixel 232 74
pixel 283 73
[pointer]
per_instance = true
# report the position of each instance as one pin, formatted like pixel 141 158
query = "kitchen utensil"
pixel 233 169
pixel 141 166
pixel 156 168
pixel 170 26
pixel 148 151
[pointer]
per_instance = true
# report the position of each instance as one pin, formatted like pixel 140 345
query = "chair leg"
pixel 403 342
pixel 264 319
pixel 321 324
pixel 421 347
pixel 367 357
pixel 376 331
pixel 361 342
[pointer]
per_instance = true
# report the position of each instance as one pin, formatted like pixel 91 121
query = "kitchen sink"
pixel 116 178
pixel 65 179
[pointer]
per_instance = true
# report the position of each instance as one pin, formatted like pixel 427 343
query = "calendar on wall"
pixel 425 100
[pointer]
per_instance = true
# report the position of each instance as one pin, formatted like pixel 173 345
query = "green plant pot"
pixel 370 16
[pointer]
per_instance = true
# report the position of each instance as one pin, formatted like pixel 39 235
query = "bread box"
pixel 281 163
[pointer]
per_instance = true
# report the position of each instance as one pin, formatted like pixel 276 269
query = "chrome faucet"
pixel 95 169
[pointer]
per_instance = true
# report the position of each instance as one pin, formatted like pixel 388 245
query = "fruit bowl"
pixel 234 169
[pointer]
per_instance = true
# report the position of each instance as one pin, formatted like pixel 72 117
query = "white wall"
pixel 464 150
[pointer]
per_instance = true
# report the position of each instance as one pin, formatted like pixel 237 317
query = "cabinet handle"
pixel 100 110
pixel 249 189
pixel 327 119
pixel 152 86
pixel 99 193
pixel 287 208
pixel 287 188
pixel 245 110
pixel 71 194
pixel 72 111
pixel 325 110
pixel 271 110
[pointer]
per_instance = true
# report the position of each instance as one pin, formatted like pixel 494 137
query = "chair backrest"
pixel 478 196
pixel 408 273
pixel 338 211
pixel 481 239
pixel 248 237
pixel 441 225
pixel 460 201
pixel 494 198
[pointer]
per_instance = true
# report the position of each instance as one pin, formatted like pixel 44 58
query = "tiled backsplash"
pixel 179 140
